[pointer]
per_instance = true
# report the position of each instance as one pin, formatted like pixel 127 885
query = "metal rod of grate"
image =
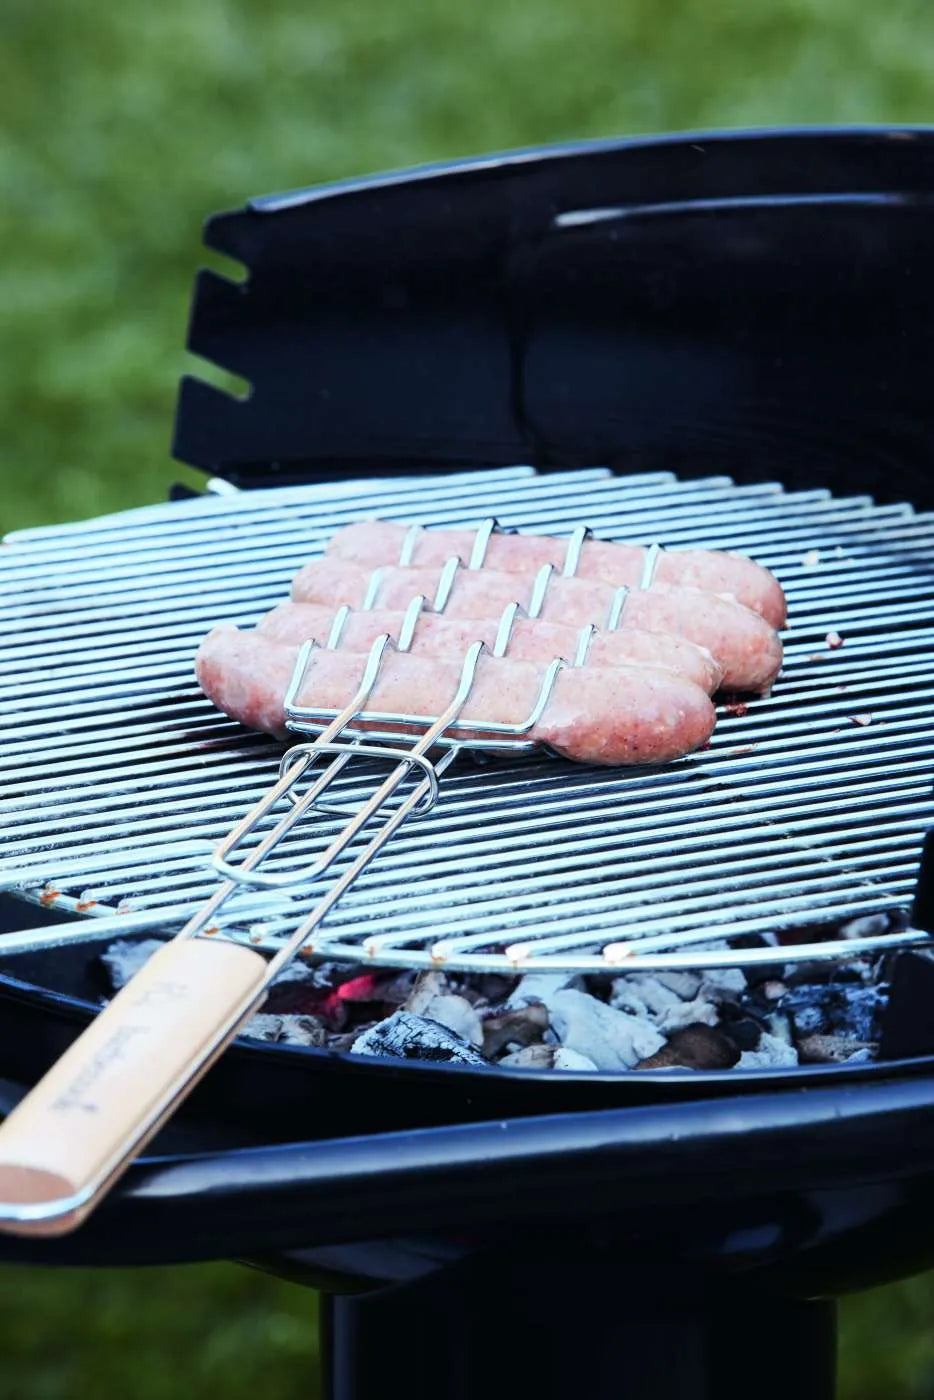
pixel 807 809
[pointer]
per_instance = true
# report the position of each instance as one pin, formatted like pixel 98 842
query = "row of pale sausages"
pixel 641 696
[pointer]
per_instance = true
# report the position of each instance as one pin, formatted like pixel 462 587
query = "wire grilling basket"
pixel 340 735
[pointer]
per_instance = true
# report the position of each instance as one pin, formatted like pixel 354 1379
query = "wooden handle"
pixel 99 1104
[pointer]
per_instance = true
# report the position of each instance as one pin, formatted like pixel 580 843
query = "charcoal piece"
pixel 808 1020
pixel 458 1015
pixel 771 1053
pixel 720 983
pixel 433 999
pixel 663 995
pixel 522 1025
pixel 848 1009
pixel 427 986
pixel 810 998
pixel 285 1030
pixel 744 1031
pixel 670 1007
pixel 566 1058
pixel 694 1047
pixel 688 1013
pixel 828 1049
pixel 685 984
pixel 262 1026
pixel 548 1057
pixel 724 983
pixel 780 1027
pixel 303 1030
pixel 908 1019
pixel 858 1011
pixel 866 926
pixel 404 1036
pixel 540 1056
pixel 298 970
pixel 613 1039
pixel 540 986
pixel 646 997
pixel 641 994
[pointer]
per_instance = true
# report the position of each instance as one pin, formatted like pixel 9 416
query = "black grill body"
pixel 759 304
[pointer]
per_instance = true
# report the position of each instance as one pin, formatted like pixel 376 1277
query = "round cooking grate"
pixel 807 810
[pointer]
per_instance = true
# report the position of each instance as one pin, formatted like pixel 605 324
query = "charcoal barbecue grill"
pixel 736 329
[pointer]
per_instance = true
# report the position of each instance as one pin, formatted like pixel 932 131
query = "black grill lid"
pixel 757 303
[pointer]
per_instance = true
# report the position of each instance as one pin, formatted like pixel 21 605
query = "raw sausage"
pixel 372 542
pixel 437 635
pixel 744 645
pixel 619 715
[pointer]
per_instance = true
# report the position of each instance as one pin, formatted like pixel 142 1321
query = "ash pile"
pixel 768 1016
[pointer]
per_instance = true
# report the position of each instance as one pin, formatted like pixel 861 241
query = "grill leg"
pixel 482 1332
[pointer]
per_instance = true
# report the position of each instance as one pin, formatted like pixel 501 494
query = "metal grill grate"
pixel 807 809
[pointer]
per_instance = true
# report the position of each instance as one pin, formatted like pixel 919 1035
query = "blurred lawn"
pixel 155 1334
pixel 121 127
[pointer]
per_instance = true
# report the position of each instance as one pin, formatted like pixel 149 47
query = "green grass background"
pixel 121 127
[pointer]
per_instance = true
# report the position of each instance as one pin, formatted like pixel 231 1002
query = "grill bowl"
pixel 772 289
pixel 278 1093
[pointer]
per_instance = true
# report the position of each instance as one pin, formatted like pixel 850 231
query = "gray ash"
pixel 785 1014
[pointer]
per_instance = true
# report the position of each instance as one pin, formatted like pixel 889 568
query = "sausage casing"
pixel 372 542
pixel 743 644
pixel 438 635
pixel 618 715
